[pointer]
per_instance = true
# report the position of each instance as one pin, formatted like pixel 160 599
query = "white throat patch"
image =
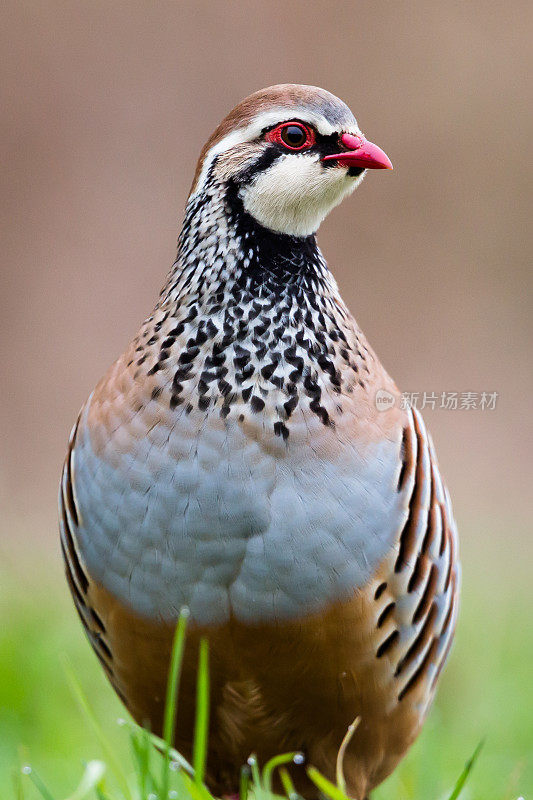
pixel 295 194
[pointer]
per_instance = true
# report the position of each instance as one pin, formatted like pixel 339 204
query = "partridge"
pixel 238 459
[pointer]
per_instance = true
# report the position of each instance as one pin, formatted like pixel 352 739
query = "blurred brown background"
pixel 105 107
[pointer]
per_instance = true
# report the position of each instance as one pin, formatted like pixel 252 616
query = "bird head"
pixel 290 154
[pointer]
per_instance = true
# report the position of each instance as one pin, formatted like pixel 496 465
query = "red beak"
pixel 360 153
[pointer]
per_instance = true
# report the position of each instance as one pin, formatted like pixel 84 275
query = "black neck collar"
pixel 272 257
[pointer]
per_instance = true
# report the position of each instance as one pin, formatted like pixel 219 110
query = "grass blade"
pixel 257 785
pixel 198 791
pixel 326 787
pixel 341 782
pixel 37 782
pixel 91 778
pixel 466 772
pixel 18 786
pixel 140 743
pixel 201 727
pixel 273 763
pixel 101 795
pixel 105 745
pixel 244 783
pixel 160 745
pixel 171 700
pixel 288 786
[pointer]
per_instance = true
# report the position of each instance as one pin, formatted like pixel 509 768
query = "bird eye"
pixel 292 136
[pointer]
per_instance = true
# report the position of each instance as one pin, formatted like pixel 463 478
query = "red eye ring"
pixel 293 136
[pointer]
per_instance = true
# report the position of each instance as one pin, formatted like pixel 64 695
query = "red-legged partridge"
pixel 234 460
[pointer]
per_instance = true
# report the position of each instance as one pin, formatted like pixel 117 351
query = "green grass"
pixel 486 692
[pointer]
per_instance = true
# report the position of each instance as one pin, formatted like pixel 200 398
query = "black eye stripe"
pixel 324 145
pixel 265 160
pixel 329 144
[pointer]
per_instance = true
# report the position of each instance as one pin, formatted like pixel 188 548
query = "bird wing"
pixel 416 589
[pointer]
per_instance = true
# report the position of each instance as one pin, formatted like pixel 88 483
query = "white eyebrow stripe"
pixel 261 121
